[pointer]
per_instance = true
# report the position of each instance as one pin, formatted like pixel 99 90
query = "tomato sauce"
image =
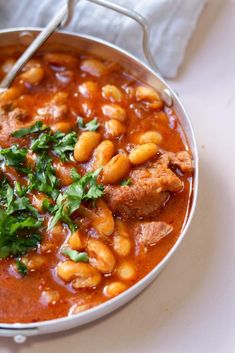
pixel 55 95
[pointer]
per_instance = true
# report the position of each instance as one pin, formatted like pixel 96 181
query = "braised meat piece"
pixel 148 192
pixel 180 159
pixel 11 119
pixel 18 114
pixel 164 177
pixel 138 200
pixel 149 233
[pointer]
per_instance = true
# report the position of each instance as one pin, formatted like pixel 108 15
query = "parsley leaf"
pixel 64 145
pixel 75 255
pixel 126 182
pixel 42 143
pixel 61 213
pixel 4 193
pixel 21 268
pixel 47 205
pixel 12 202
pixel 18 221
pixel 14 157
pixel 60 143
pixel 85 188
pixel 92 125
pixel 75 175
pixel 21 204
pixel 20 189
pixel 80 122
pixel 9 195
pixel 43 178
pixel 37 127
pixel 95 190
pixel 16 236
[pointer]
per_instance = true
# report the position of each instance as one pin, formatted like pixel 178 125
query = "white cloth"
pixel 172 23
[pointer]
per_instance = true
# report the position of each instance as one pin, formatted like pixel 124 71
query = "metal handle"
pixel 19 335
pixel 63 18
pixel 124 11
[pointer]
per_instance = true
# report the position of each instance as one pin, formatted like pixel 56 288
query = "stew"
pixel 96 182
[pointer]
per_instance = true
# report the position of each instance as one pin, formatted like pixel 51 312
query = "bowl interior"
pixel 144 73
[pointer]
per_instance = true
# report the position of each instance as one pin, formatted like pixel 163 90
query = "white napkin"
pixel 172 23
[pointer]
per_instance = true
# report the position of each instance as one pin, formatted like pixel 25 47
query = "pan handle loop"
pixel 62 18
pixel 124 11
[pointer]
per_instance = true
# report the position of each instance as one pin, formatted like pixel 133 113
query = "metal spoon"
pixel 34 46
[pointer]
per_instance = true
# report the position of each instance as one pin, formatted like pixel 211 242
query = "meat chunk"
pixel 18 114
pixel 166 179
pixel 180 159
pixel 149 233
pixel 11 118
pixel 146 195
pixel 138 200
pixel 183 160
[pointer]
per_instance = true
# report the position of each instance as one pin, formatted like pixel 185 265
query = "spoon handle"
pixel 33 47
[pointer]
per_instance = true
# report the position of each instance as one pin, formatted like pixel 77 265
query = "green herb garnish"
pixel 16 234
pixel 75 175
pixel 126 182
pixel 12 201
pixel 21 268
pixel 14 157
pixel 42 143
pixel 20 189
pixel 18 222
pixel 64 145
pixel 47 205
pixel 37 127
pixel 92 125
pixel 6 193
pixel 75 255
pixel 43 178
pixel 21 204
pixel 86 188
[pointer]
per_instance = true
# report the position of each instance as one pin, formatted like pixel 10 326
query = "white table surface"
pixel 190 308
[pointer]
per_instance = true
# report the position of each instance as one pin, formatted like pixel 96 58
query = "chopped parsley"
pixel 37 127
pixel 5 193
pixel 21 190
pixel 92 125
pixel 43 178
pixel 14 157
pixel 20 204
pixel 64 145
pixel 47 205
pixel 75 175
pixel 18 222
pixel 75 255
pixel 42 143
pixel 21 268
pixel 16 234
pixel 126 182
pixel 85 188
pixel 61 144
pixel 13 200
